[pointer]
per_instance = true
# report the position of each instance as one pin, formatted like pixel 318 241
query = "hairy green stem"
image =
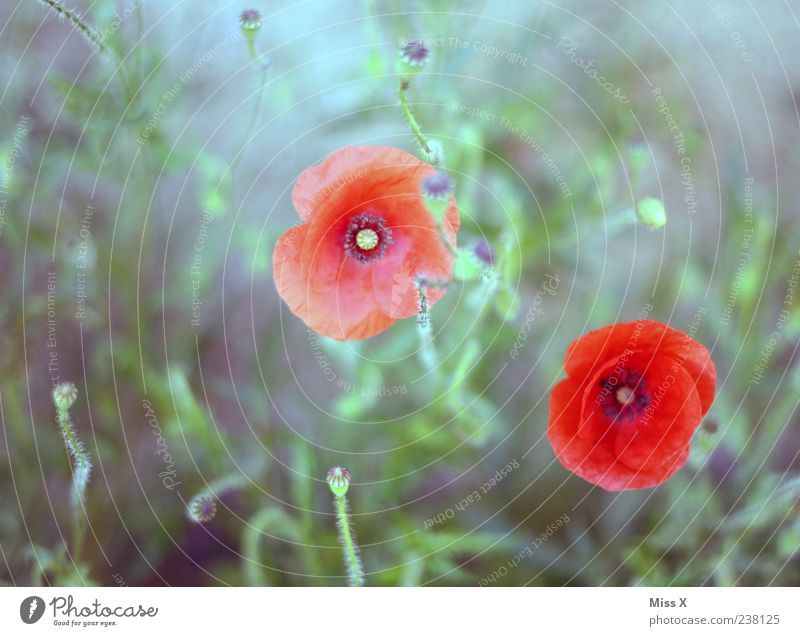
pixel 404 86
pixel 81 471
pixel 90 34
pixel 355 571
pixel 427 349
pixel 266 72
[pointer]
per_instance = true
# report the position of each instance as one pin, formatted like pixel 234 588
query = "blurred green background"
pixel 146 179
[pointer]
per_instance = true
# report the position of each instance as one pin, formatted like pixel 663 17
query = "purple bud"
pixel 250 20
pixel 414 53
pixel 437 186
pixel 202 509
pixel 483 251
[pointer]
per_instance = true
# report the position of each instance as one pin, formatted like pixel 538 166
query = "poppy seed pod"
pixel 412 57
pixel 250 21
pixel 338 481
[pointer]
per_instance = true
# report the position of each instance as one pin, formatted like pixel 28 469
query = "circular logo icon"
pixel 31 609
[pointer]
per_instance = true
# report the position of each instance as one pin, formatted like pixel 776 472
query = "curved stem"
pixel 404 86
pixel 266 71
pixel 606 226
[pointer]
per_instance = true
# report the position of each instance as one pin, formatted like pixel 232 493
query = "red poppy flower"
pixel 349 270
pixel 634 395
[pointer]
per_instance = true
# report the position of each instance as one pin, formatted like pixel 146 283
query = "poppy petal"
pixel 345 170
pixel 350 292
pixel 666 427
pixel 640 437
pixel 287 270
pixel 340 312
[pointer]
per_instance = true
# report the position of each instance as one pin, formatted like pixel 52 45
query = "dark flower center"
pixel 623 396
pixel 366 238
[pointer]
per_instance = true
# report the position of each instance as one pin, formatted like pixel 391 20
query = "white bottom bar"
pixel 383 611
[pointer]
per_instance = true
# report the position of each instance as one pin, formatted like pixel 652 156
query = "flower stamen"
pixel 366 238
pixel 626 395
pixel 630 396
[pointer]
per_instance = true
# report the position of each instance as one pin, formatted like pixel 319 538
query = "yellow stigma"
pixel 367 239
pixel 625 395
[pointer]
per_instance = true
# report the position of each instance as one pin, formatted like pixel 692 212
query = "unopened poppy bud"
pixel 483 251
pixel 202 509
pixel 651 212
pixel 250 21
pixel 338 481
pixel 437 189
pixel 412 57
pixel 64 395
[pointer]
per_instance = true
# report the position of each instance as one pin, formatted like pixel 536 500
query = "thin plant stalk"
pixel 64 396
pixel 339 482
pixel 412 121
